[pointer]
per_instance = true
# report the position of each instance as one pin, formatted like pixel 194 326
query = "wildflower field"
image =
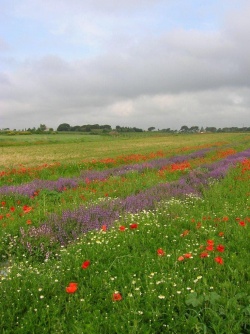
pixel 125 235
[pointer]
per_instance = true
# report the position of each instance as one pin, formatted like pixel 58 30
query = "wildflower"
pixel 187 255
pixel 186 232
pixel 210 242
pixel 161 297
pixel 133 226
pixel 27 208
pixel 242 223
pixel 85 264
pixel 219 260
pixel 160 252
pixel 12 209
pixel 122 228
pixel 104 228
pixel 181 258
pixel 116 297
pixel 28 222
pixel 210 248
pixel 72 287
pixel 221 234
pixel 220 248
pixel 203 254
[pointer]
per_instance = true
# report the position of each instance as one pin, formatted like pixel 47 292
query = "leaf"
pixel 194 300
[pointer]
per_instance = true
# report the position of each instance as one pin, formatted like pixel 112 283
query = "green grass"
pixel 178 292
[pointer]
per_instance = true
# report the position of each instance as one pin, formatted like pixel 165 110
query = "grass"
pixel 97 147
pixel 179 267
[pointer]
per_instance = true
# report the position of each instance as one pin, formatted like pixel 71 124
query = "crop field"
pixel 134 234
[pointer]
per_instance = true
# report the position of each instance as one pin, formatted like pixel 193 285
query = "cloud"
pixel 120 71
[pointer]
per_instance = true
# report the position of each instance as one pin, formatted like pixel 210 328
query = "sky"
pixel 135 63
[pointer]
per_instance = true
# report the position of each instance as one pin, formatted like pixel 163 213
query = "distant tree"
pixel 63 127
pixel 194 129
pixel 151 128
pixel 184 128
pixel 211 129
pixel 42 127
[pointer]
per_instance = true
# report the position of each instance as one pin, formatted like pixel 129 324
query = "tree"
pixel 151 128
pixel 63 127
pixel 184 128
pixel 42 127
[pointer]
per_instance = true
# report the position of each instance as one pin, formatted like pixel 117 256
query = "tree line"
pixel 98 129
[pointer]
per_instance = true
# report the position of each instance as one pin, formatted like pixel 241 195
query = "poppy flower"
pixel 221 234
pixel 220 248
pixel 210 248
pixel 28 222
pixel 203 254
pixel 187 255
pixel 242 223
pixel 160 252
pixel 210 242
pixel 198 225
pixel 181 258
pixel 133 226
pixel 186 232
pixel 85 264
pixel 27 208
pixel 12 209
pixel 219 260
pixel 122 228
pixel 116 297
pixel 104 228
pixel 71 288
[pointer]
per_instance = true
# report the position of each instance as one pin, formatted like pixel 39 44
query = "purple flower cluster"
pixel 72 223
pixel 59 185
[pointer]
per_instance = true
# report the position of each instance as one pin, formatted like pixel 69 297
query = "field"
pixel 145 233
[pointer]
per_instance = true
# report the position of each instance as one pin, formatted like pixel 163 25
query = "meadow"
pixel 145 233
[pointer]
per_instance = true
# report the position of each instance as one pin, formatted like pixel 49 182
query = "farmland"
pixel 129 234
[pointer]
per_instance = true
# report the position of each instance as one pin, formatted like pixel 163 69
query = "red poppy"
pixel 3 203
pixel 133 226
pixel 210 248
pixel 104 228
pixel 242 223
pixel 219 260
pixel 186 232
pixel 160 252
pixel 181 258
pixel 221 234
pixel 203 254
pixel 220 248
pixel 85 264
pixel 122 228
pixel 12 209
pixel 187 255
pixel 210 242
pixel 116 297
pixel 198 225
pixel 71 288
pixel 27 208
pixel 28 222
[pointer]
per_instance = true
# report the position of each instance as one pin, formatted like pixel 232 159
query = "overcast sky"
pixel 161 63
